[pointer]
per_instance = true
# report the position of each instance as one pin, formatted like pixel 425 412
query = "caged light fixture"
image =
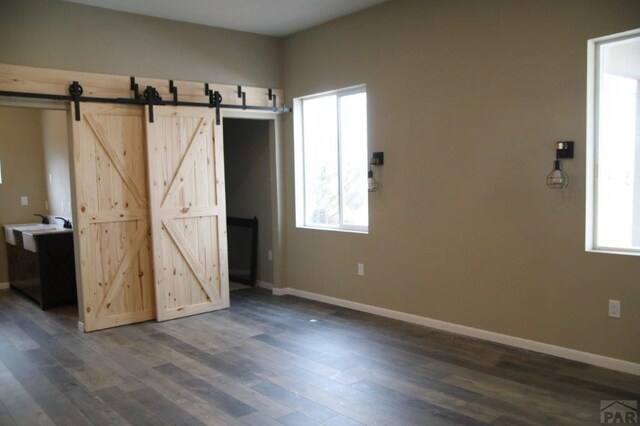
pixel 376 160
pixel 558 179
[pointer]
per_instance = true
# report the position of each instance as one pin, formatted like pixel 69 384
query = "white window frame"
pixel 593 77
pixel 298 114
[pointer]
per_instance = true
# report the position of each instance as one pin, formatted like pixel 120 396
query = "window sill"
pixel 343 230
pixel 613 251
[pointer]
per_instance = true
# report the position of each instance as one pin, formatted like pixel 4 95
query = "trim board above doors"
pixel 22 79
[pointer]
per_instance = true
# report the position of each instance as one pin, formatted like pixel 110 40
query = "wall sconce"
pixel 376 160
pixel 558 179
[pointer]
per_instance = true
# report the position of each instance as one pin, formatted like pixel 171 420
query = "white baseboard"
pixel 4 286
pixel 545 348
pixel 287 290
pixel 264 284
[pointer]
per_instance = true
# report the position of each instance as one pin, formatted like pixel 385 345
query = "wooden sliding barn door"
pixel 113 216
pixel 188 218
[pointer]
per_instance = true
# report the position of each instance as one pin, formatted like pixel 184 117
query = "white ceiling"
pixel 270 17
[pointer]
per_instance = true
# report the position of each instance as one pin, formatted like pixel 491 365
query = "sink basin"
pixel 8 231
pixel 29 242
pixel 28 236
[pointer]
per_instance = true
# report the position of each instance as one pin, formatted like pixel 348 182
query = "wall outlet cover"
pixel 24 200
pixel 361 269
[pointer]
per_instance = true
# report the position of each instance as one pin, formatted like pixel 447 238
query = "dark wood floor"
pixel 282 360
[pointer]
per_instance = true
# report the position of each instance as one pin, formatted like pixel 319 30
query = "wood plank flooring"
pixel 282 361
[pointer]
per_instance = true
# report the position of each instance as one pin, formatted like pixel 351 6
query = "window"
pixel 613 184
pixel 331 160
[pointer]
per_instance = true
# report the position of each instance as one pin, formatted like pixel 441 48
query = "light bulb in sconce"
pixel 371 182
pixel 557 179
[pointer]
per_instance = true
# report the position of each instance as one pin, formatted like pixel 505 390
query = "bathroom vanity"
pixel 41 263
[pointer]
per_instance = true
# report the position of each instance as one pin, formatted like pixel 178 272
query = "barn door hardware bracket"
pixel 152 97
pixel 218 101
pixel 174 91
pixel 133 86
pixel 272 98
pixel 75 90
pixel 215 100
pixel 243 95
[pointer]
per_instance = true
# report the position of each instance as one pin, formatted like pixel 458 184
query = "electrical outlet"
pixel 270 255
pixel 614 308
pixel 24 200
pixel 361 269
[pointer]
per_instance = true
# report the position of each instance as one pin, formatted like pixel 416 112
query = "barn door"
pixel 113 230
pixel 186 189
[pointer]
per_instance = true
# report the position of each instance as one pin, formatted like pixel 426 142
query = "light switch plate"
pixel 24 200
pixel 614 308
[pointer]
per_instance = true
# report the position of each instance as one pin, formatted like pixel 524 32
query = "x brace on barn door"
pixel 150 97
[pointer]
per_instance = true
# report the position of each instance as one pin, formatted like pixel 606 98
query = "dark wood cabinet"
pixel 47 276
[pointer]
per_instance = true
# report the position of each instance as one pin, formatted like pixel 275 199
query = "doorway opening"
pixel 37 243
pixel 248 174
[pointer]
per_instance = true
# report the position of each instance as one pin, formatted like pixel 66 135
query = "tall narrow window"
pixel 331 161
pixel 613 209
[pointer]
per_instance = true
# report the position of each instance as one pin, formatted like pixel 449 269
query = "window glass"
pixel 353 136
pixel 321 161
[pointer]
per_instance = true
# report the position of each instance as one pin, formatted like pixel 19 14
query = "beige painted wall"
pixel 248 181
pixel 466 99
pixel 55 140
pixel 22 161
pixel 69 36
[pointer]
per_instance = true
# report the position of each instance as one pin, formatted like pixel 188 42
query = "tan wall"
pixel 248 181
pixel 70 36
pixel 466 99
pixel 22 172
pixel 55 140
